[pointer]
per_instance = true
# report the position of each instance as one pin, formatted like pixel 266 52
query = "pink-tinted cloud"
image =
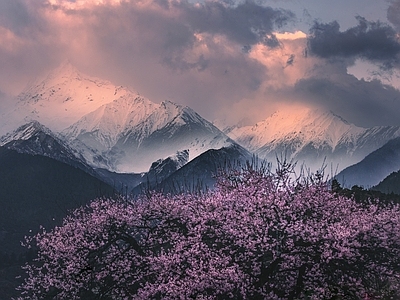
pixel 217 57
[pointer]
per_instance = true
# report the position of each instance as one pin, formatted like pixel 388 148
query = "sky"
pixel 233 60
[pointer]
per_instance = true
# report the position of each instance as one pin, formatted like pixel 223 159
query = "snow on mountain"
pixel 35 139
pixel 114 128
pixel 162 168
pixel 305 124
pixel 312 136
pixel 131 132
pixel 25 132
pixel 63 97
pixel 111 127
pixel 101 128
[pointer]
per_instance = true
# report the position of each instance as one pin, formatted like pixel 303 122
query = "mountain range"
pixel 130 133
pixel 119 136
pixel 110 126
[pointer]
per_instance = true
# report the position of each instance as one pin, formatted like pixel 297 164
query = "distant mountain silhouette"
pixel 374 167
pixel 199 174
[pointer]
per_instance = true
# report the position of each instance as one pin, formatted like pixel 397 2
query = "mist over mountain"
pixel 35 139
pixel 198 175
pixel 110 128
pixel 128 134
pixel 374 168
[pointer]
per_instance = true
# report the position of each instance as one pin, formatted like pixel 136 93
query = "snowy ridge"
pixel 305 124
pixel 166 114
pixel 108 121
pixel 131 132
pixel 312 135
pixel 24 132
pixel 35 139
pixel 132 115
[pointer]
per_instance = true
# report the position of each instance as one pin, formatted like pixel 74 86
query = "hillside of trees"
pixel 36 191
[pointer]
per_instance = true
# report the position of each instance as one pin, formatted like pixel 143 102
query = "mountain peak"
pixel 171 106
pixel 65 70
pixel 300 127
pixel 25 132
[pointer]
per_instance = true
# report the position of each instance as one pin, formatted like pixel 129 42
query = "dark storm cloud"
pixel 364 103
pixel 248 23
pixel 393 13
pixel 245 24
pixel 373 41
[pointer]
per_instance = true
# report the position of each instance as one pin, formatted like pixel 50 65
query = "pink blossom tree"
pixel 258 235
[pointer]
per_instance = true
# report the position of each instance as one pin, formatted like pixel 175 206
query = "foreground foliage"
pixel 258 235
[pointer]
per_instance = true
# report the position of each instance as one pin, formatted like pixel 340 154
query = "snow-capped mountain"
pixel 311 136
pixel 35 139
pixel 101 128
pixel 114 128
pixel 130 133
pixel 62 98
pixel 110 126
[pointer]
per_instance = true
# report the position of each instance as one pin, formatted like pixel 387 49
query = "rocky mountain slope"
pixel 35 139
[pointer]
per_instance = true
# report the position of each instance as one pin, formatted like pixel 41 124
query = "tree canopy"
pixel 258 235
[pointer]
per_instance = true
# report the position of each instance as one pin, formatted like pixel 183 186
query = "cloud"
pixel 365 103
pixel 248 23
pixel 309 80
pixel 165 49
pixel 393 13
pixel 216 56
pixel 372 41
pixel 14 14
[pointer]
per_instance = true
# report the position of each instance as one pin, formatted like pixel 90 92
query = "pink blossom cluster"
pixel 258 235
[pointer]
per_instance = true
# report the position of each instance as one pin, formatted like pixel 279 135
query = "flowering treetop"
pixel 258 235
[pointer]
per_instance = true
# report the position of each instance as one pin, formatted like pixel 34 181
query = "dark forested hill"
pixel 391 184
pixel 36 190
